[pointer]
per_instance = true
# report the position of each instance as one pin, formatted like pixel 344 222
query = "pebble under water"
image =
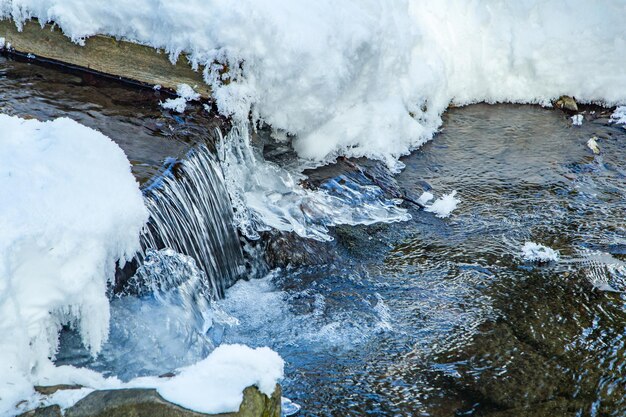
pixel 429 317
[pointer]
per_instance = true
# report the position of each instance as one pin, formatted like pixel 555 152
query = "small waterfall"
pixel 191 213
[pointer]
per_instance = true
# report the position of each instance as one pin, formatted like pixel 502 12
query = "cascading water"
pixel 190 213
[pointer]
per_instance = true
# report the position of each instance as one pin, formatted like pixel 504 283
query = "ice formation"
pixel 444 206
pixel 577 119
pixel 70 210
pixel 535 252
pixel 619 116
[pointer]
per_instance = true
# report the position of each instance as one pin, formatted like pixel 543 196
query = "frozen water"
pixel 266 196
pixel 535 252
pixel 444 206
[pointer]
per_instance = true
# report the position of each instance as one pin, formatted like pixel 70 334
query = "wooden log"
pixel 105 55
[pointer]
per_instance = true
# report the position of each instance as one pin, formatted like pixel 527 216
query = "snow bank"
pixel 367 77
pixel 69 209
pixel 534 252
pixel 215 384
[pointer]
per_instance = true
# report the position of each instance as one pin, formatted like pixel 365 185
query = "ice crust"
pixel 535 252
pixel 444 206
pixel 366 77
pixel 69 210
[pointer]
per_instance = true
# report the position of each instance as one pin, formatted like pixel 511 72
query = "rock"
pixel 49 411
pixel 287 248
pixel 49 390
pixel 148 403
pixel 566 103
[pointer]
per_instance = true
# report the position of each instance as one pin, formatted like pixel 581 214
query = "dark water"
pixel 443 317
pixel 433 316
pixel 129 116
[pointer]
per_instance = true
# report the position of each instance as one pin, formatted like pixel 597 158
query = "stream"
pixel 428 317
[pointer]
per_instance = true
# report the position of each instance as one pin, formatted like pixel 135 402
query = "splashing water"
pixel 190 213
pixel 267 196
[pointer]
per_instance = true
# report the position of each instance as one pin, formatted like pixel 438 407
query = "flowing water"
pixel 425 317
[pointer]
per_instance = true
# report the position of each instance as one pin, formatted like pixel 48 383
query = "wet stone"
pixel 288 249
pixel 49 411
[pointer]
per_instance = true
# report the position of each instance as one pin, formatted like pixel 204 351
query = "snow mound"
pixel 179 104
pixel 366 77
pixel 443 206
pixel 69 210
pixel 215 384
pixel 534 252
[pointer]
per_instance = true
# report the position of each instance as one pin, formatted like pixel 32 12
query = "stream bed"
pixel 429 317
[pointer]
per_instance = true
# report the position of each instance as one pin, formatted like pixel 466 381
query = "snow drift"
pixel 69 210
pixel 367 77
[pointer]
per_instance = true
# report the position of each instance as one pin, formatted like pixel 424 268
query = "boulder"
pixel 148 403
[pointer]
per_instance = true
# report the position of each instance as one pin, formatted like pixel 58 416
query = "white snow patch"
pixel 185 93
pixel 215 384
pixel 577 119
pixel 619 116
pixel 534 252
pixel 212 385
pixel 443 206
pixel 69 210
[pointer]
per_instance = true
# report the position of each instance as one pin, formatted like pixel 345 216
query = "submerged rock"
pixel 148 403
pixel 288 249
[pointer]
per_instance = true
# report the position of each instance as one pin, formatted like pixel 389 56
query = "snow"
pixel 444 206
pixel 366 77
pixel 535 252
pixel 577 119
pixel 592 144
pixel 212 385
pixel 69 210
pixel 619 116
pixel 179 104
pixel 215 384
